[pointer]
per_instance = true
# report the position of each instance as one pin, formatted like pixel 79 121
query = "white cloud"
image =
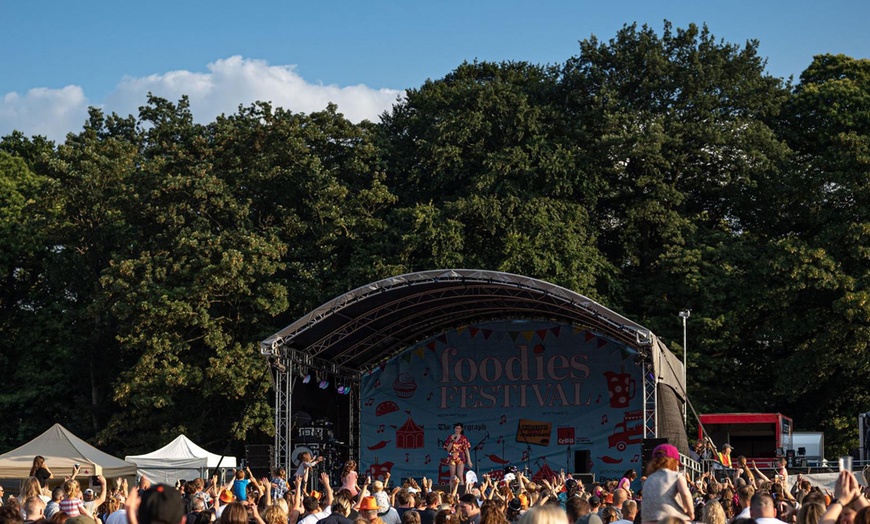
pixel 227 84
pixel 43 111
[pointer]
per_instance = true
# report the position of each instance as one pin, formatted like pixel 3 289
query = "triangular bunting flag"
pixel 542 333
pixel 383 365
pixel 601 342
pixel 514 335
pixel 474 331
pixel 487 333
pixel 461 329
pixel 442 338
pixel 589 336
pixel 576 330
pixel 420 352
pixel 528 335
pixel 431 345
pixel 556 330
pixel 407 356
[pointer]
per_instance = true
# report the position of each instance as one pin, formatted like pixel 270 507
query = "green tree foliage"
pixel 813 304
pixel 144 257
pixel 485 178
pixel 677 128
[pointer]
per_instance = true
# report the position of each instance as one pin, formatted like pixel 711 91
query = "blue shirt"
pixel 240 489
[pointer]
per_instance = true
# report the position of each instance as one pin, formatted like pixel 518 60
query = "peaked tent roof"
pixel 181 450
pixel 62 450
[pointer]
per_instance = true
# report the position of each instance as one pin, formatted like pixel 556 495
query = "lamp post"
pixel 685 315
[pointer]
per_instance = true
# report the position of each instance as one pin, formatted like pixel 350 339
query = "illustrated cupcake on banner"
pixel 405 385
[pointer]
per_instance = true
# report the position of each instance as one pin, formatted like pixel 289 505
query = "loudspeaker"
pixel 260 458
pixel 585 478
pixel 582 460
pixel 647 447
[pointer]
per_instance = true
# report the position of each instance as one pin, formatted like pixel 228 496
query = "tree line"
pixel 144 257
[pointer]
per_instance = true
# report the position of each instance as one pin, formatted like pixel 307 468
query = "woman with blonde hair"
pixel 810 513
pixel 713 513
pixel 72 503
pixel 665 492
pixel 31 488
pixel 546 514
pixel 275 515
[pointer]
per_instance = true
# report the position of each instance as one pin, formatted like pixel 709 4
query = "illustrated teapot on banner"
pixel 621 388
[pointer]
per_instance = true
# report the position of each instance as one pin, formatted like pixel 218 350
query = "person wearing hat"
pixel 665 492
pixel 224 497
pixel 725 455
pixel 368 509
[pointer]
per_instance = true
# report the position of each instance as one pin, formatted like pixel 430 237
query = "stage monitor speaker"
pixel 260 458
pixel 582 459
pixel 585 478
pixel 647 447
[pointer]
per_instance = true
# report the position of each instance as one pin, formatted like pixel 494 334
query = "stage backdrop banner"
pixel 531 394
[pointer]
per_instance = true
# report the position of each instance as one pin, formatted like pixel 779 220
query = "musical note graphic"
pixel 635 458
pixel 428 459
pixel 503 419
pixel 604 419
pixel 407 457
pixel 430 396
pixel 381 428
pixel 598 400
pixel 426 372
pixel 378 383
pixel 370 401
pixel 500 440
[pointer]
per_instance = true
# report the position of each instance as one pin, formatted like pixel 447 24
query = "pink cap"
pixel 666 450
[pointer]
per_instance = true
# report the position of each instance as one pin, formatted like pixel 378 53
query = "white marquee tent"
pixel 62 450
pixel 180 459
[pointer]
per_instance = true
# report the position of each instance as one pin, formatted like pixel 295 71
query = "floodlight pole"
pixel 685 315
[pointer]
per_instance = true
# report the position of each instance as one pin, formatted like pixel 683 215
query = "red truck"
pixel 757 436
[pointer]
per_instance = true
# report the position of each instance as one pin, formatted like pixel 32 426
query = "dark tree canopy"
pixel 145 256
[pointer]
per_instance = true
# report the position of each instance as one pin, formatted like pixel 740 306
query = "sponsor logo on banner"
pixel 534 432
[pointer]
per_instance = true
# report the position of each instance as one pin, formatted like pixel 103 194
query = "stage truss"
pixel 355 332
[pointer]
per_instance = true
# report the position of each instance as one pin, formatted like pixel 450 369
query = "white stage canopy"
pixel 180 459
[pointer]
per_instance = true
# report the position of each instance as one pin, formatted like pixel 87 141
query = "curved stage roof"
pixel 357 330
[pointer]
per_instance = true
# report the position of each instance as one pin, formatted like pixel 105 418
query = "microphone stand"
pixel 478 446
pixel 528 449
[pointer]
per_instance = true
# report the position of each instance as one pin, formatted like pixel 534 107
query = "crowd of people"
pixel 742 494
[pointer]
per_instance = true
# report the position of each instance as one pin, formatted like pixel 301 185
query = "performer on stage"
pixel 457 447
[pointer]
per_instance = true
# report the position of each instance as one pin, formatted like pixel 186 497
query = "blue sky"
pixel 56 58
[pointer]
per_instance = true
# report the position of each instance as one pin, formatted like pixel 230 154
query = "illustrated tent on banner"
pixel 180 459
pixel 62 450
